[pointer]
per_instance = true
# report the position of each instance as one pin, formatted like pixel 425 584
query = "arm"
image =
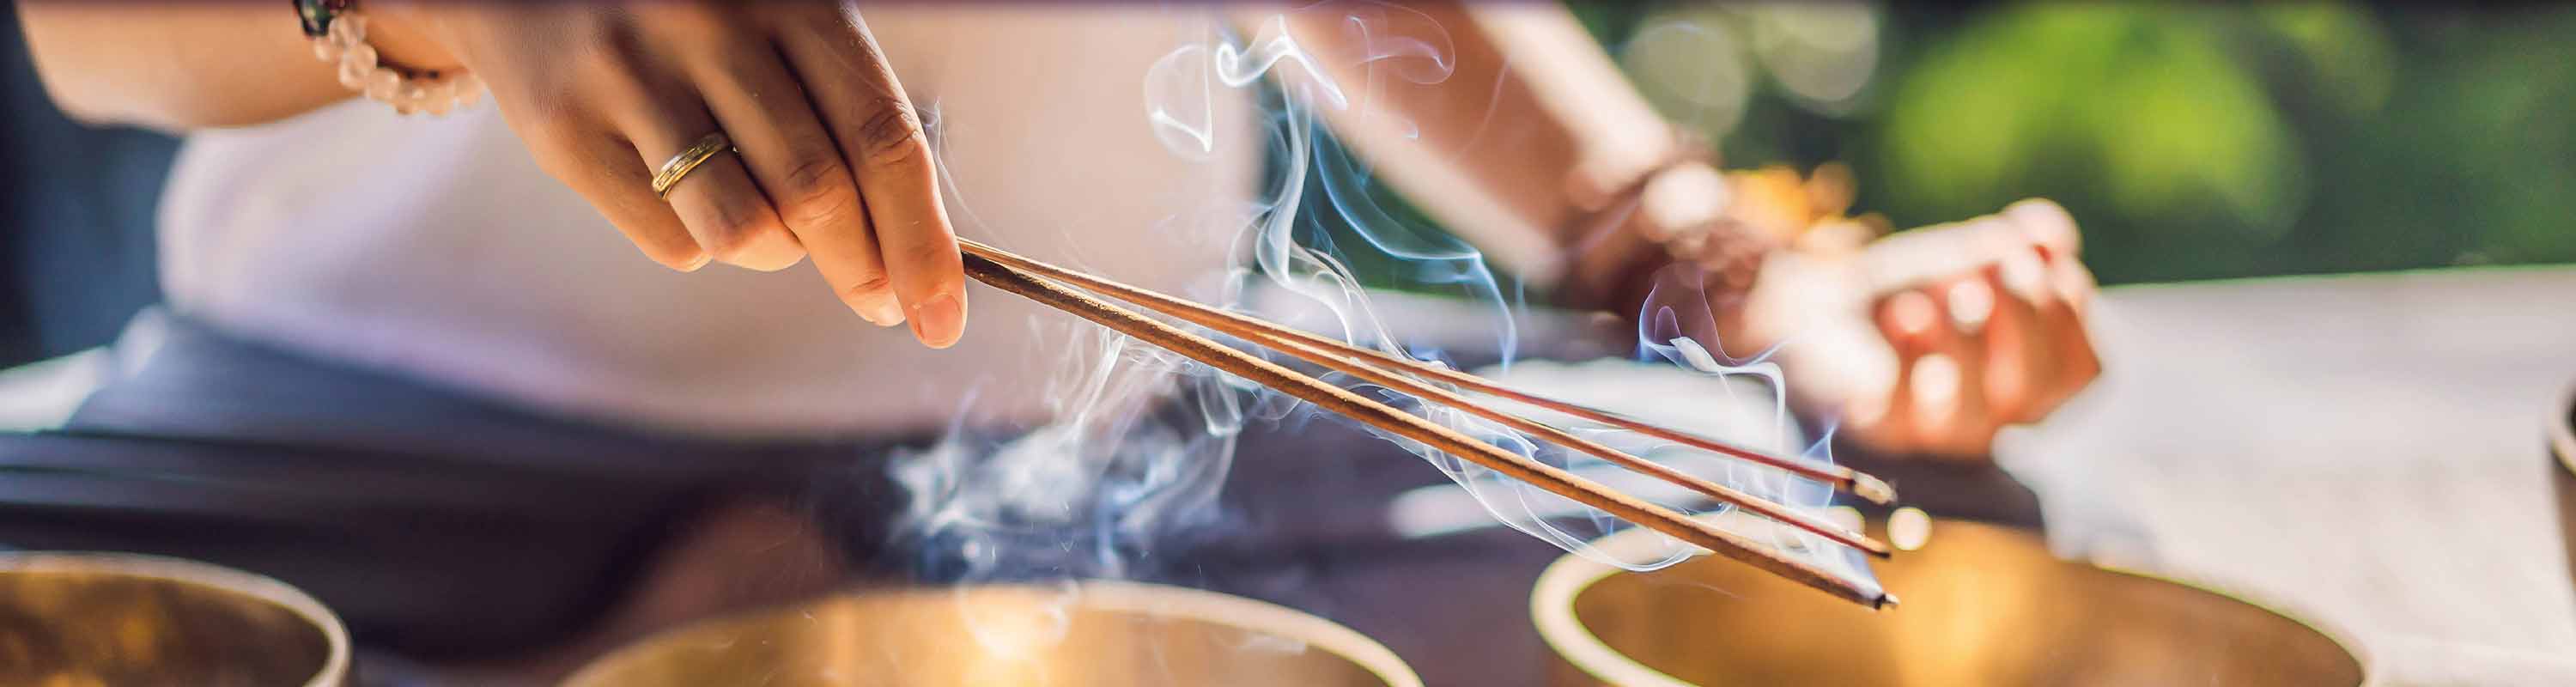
pixel 184 66
pixel 1533 132
pixel 834 166
pixel 1538 150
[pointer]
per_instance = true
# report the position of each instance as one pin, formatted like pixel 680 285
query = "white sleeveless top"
pixel 436 249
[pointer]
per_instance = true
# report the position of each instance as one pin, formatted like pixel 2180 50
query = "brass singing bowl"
pixel 1982 605
pixel 110 619
pixel 1068 635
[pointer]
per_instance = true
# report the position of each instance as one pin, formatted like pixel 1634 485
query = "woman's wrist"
pixel 402 35
pixel 1599 182
pixel 382 55
pixel 1723 231
pixel 1684 212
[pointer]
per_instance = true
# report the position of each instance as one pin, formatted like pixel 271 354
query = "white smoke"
pixel 1130 459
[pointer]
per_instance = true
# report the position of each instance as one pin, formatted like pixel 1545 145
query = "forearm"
pixel 1533 130
pixel 176 66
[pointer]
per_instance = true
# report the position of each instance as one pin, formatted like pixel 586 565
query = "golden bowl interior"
pixel 83 619
pixel 1070 635
pixel 1982 605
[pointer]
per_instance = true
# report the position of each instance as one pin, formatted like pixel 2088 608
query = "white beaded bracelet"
pixel 345 44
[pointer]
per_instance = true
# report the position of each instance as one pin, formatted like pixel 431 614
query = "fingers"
pixel 1999 340
pixel 1938 405
pixel 826 154
pixel 2048 224
pixel 718 202
pixel 2071 346
pixel 800 170
pixel 1906 320
pixel 2047 274
pixel 880 138
pixel 2020 363
pixel 1952 413
pixel 603 168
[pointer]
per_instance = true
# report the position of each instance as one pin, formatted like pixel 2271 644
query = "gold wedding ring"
pixel 680 165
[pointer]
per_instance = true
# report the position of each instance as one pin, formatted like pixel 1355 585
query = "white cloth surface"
pixel 436 247
pixel 2364 451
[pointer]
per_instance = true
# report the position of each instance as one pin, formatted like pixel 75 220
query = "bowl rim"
pixel 1166 601
pixel 1552 610
pixel 335 636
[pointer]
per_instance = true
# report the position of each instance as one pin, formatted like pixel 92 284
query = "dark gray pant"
pixel 432 521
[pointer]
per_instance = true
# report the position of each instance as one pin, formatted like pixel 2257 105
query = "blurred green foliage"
pixel 2201 141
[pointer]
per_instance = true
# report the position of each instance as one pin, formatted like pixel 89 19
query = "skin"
pixel 1532 143
pixel 1529 160
pixel 832 164
pixel 1927 343
pixel 831 159
pixel 2008 320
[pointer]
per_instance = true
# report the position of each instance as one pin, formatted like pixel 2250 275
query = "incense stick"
pixel 1236 325
pixel 1276 337
pixel 1343 401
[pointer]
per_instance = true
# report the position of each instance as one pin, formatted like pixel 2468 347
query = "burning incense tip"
pixel 1872 488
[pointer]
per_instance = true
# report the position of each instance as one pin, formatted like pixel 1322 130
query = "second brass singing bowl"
pixel 1983 605
pixel 1087 634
